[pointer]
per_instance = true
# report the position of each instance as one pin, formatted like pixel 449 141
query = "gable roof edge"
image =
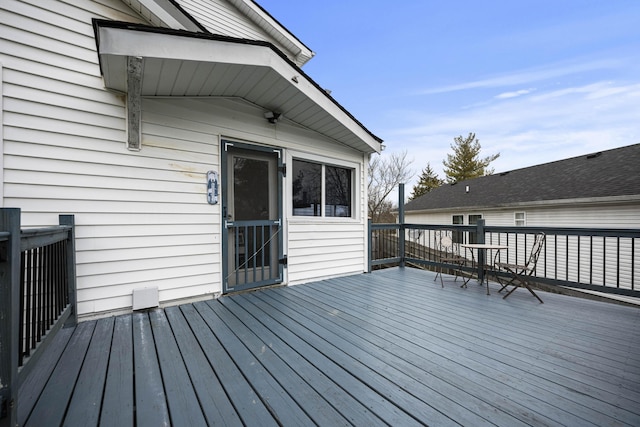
pixel 259 16
pixel 167 13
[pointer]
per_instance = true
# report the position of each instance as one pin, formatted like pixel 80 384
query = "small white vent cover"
pixel 145 298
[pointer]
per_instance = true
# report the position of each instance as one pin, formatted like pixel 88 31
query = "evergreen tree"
pixel 427 182
pixel 465 162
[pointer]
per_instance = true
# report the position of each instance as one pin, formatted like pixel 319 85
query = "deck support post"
pixel 370 245
pixel 9 314
pixel 481 254
pixel 401 231
pixel 69 220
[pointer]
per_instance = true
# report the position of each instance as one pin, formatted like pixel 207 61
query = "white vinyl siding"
pixel 319 250
pixel 220 17
pixel 593 215
pixel 142 217
pixel 322 247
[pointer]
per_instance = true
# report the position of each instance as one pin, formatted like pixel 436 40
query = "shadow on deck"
pixel 391 347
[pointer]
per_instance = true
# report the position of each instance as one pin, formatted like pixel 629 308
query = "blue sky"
pixel 536 80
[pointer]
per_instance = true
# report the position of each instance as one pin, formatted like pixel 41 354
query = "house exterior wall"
pixel 220 17
pixel 142 217
pixel 601 261
pixel 625 215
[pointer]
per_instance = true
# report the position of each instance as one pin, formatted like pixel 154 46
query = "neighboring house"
pixel 196 155
pixel 598 190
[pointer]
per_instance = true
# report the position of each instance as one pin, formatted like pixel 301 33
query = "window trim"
pixel 523 219
pixel 356 185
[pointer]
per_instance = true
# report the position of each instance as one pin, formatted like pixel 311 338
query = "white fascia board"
pixel 271 26
pixel 127 42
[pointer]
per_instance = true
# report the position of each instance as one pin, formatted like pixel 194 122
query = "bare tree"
pixel 385 174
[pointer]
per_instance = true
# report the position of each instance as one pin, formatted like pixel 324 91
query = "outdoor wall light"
pixel 272 116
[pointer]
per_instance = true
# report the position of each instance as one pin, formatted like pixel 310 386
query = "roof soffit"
pixel 180 63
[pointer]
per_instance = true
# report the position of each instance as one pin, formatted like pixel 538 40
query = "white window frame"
pixel 324 161
pixel 523 220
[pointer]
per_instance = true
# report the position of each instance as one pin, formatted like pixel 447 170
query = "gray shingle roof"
pixel 604 174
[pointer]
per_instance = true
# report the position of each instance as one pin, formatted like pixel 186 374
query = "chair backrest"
pixel 445 244
pixel 538 243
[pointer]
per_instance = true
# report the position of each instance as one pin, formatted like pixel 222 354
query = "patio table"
pixel 484 247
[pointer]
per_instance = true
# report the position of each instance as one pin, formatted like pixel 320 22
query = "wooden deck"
pixel 387 348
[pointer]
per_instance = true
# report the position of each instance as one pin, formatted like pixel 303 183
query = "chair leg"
pixel 532 293
pixel 504 285
pixel 515 275
pixel 522 282
pixel 439 273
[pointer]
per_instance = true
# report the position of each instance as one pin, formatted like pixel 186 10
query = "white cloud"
pixel 506 95
pixel 528 130
pixel 529 76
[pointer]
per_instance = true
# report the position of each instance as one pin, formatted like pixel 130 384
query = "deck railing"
pixel 37 297
pixel 604 260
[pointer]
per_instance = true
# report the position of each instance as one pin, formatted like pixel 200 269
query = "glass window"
pixel 473 220
pixel 309 194
pixel 457 235
pixel 307 188
pixel 338 191
pixel 520 219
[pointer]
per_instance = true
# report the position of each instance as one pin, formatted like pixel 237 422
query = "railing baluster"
pixel 618 262
pixel 25 293
pixel 604 261
pixel 34 301
pixel 564 261
pixel 591 259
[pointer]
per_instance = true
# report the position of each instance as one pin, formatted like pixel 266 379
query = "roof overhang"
pixel 188 64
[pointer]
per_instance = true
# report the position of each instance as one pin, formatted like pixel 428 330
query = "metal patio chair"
pixel 448 252
pixel 521 274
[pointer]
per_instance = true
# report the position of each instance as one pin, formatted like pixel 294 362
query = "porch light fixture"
pixel 272 116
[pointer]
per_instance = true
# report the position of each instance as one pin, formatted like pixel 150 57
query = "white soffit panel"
pixel 177 59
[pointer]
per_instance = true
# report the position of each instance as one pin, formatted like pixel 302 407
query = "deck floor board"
pixel 388 348
pixel 118 399
pixel 211 395
pixel 86 401
pixel 150 397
